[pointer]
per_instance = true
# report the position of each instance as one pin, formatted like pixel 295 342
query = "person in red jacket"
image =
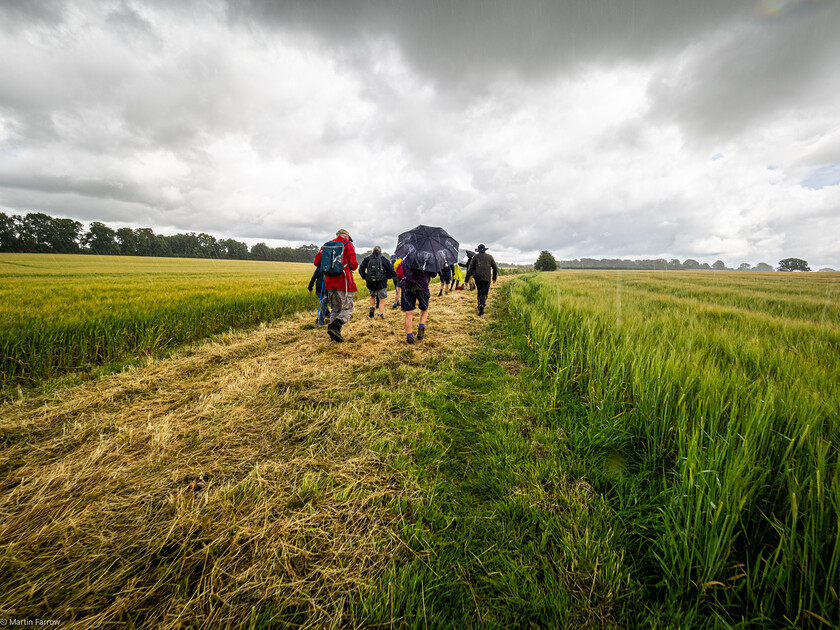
pixel 340 289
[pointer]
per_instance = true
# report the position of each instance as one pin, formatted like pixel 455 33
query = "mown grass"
pixel 712 430
pixel 63 313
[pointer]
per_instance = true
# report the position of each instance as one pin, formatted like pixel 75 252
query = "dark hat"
pixel 481 249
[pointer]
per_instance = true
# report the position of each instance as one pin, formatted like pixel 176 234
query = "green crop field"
pixel 713 426
pixel 60 313
pixel 610 449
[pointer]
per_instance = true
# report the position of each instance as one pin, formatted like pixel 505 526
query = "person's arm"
pixel 351 257
pixel 312 280
pixel 362 268
pixel 495 268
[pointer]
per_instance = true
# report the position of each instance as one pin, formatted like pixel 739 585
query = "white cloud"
pixel 652 138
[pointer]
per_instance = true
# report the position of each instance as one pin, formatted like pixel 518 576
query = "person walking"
pixel 482 267
pixel 317 281
pixel 415 293
pixel 466 266
pixel 337 259
pixel 457 278
pixel 395 263
pixel 374 271
pixel 445 279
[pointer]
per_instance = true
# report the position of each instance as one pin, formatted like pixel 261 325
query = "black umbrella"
pixel 427 248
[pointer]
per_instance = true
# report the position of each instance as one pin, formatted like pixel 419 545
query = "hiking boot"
pixel 421 333
pixel 334 331
pixel 440 293
pixel 395 305
pixel 381 315
pixel 372 309
pixel 409 340
pixel 481 310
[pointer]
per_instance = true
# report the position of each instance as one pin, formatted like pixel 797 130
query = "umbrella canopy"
pixel 427 248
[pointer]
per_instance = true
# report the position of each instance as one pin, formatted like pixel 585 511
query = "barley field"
pixel 65 313
pixel 603 449
pixel 713 423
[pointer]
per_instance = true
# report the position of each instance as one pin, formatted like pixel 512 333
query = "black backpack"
pixel 331 258
pixel 375 271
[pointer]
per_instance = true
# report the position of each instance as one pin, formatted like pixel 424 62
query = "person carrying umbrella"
pixel 425 251
pixel 482 266
pixel 338 260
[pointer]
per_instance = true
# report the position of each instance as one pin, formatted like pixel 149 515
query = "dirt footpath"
pixel 197 488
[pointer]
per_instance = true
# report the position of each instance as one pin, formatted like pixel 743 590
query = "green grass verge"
pixel 510 531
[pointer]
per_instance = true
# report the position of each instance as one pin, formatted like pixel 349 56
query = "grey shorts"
pixel 382 294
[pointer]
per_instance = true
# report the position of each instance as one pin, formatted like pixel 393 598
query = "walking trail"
pixel 195 489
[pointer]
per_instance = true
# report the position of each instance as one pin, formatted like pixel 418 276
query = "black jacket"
pixel 482 267
pixel 387 273
pixel 317 281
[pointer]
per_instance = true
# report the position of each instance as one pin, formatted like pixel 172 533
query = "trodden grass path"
pixel 273 478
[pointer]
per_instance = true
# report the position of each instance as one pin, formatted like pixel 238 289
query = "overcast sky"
pixel 706 129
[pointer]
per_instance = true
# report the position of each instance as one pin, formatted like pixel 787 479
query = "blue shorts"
pixel 419 297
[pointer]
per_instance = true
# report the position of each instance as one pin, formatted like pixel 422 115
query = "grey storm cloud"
pixel 614 128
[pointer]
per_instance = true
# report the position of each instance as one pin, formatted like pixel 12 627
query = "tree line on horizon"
pixel 547 262
pixel 39 233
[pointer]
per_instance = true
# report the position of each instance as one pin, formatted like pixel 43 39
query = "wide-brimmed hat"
pixel 343 233
pixel 481 249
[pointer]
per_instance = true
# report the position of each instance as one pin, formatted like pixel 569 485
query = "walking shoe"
pixel 421 332
pixel 481 310
pixel 372 309
pixel 395 305
pixel 440 293
pixel 381 315
pixel 334 331
pixel 409 339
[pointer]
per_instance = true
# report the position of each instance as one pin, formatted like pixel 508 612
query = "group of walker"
pixel 333 280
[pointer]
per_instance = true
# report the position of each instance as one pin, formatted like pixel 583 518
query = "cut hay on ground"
pixel 239 478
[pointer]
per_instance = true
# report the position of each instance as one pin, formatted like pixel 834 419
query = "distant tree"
pixel 674 263
pixel 229 248
pixel 127 241
pixel 545 262
pixel 8 233
pixel 100 239
pixel 144 241
pixel 261 251
pixel 690 263
pixel 762 266
pixel 207 246
pixel 63 235
pixel 718 265
pixel 793 264
pixel 744 267
pixel 34 232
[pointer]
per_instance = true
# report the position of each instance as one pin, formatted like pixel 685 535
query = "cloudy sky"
pixel 590 128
